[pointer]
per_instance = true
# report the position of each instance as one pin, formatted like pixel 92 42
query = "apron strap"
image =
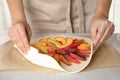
pixel 68 18
pixel 81 27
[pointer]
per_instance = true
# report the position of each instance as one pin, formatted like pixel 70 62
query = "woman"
pixel 72 16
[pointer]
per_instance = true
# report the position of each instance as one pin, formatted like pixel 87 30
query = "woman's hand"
pixel 101 29
pixel 20 34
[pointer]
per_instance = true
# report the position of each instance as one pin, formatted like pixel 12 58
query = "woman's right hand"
pixel 20 34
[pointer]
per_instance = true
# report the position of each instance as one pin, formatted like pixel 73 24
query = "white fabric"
pixel 5 19
pixel 4 37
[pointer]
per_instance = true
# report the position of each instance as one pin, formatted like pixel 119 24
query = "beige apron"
pixel 68 16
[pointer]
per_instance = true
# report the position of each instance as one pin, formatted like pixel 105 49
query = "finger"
pixel 99 35
pixel 94 32
pixel 20 46
pixel 108 32
pixel 104 37
pixel 112 30
pixel 23 36
pixel 111 33
pixel 15 37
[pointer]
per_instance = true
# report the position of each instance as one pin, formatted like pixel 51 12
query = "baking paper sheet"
pixel 47 61
pixel 12 59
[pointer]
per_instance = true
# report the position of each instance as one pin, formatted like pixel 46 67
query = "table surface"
pixel 96 74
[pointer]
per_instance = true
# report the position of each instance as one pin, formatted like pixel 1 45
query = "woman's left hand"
pixel 101 29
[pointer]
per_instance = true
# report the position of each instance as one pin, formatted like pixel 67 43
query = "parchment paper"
pixel 11 59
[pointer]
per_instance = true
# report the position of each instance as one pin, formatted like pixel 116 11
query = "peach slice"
pixel 43 40
pixel 61 51
pixel 70 59
pixel 43 43
pixel 77 57
pixel 51 45
pixel 51 51
pixel 49 54
pixel 54 42
pixel 36 45
pixel 68 42
pixel 83 53
pixel 84 46
pixel 79 41
pixel 61 39
pixel 42 49
pixel 56 56
pixel 65 61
